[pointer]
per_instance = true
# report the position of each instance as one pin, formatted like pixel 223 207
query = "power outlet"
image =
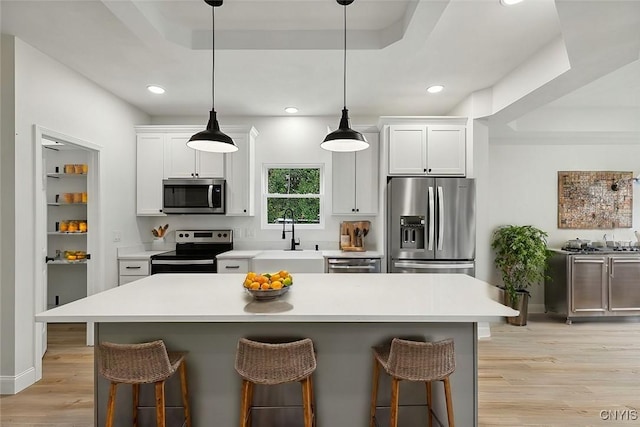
pixel 237 233
pixel 117 236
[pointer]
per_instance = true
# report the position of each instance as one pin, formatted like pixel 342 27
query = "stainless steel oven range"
pixel 195 252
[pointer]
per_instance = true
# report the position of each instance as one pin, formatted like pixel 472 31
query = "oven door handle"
pixel 210 196
pixel 182 262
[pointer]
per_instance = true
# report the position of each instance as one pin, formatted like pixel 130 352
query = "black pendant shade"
pixel 344 138
pixel 212 139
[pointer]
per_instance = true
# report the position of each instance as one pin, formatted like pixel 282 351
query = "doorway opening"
pixel 68 226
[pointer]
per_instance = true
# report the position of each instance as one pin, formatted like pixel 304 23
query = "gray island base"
pixel 344 316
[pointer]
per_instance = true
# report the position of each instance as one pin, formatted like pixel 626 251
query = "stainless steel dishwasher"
pixel 353 265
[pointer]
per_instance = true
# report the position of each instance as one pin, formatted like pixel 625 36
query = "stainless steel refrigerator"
pixel 431 225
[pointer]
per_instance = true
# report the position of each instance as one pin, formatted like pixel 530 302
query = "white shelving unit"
pixel 66 279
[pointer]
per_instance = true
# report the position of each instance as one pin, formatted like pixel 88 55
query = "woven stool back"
pixel 421 361
pixel 264 363
pixel 134 363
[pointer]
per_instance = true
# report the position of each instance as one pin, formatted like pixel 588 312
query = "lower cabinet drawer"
pixel 133 267
pixel 233 266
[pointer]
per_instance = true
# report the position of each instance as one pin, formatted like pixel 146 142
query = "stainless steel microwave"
pixel 193 196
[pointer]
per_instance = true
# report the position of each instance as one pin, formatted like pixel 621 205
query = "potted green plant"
pixel 521 257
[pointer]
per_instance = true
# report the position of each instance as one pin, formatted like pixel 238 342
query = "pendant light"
pixel 344 138
pixel 212 139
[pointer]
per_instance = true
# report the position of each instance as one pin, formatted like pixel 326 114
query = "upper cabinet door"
pixel 407 149
pixel 343 193
pixel 179 160
pixel 240 175
pixel 446 150
pixel 367 167
pixel 209 165
pixel 355 180
pixel 149 160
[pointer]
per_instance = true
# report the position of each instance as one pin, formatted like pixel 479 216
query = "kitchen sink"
pixel 292 261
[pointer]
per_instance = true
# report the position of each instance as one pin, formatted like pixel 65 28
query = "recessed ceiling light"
pixel 155 89
pixel 291 110
pixel 435 88
pixel 510 2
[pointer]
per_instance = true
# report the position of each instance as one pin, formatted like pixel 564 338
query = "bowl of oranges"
pixel 268 286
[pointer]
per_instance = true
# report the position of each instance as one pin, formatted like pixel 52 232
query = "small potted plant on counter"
pixel 521 258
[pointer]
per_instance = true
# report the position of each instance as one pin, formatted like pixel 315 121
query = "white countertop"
pixel 238 254
pixel 312 298
pixel 140 254
pixel 279 254
pixel 351 254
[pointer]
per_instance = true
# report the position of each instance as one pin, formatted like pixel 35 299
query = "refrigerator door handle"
pixel 440 218
pixel 431 219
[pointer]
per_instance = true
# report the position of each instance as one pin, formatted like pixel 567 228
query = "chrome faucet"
pixel 292 231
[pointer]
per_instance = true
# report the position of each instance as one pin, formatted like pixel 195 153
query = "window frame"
pixel 265 195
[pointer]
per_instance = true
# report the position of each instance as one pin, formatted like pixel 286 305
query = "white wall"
pixel 7 194
pixel 523 178
pixel 280 140
pixel 52 96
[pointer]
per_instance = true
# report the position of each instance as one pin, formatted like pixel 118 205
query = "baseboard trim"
pixel 15 384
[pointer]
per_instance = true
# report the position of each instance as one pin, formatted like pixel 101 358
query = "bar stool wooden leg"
pixel 245 402
pixel 313 401
pixel 250 404
pixel 306 402
pixel 429 413
pixel 374 392
pixel 160 421
pixel 135 394
pixel 185 393
pixel 111 405
pixel 447 395
pixel 395 391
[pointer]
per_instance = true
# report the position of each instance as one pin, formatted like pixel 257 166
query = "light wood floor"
pixel 543 374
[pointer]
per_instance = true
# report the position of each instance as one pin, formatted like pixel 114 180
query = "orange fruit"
pixel 265 286
pixel 275 278
pixel 251 275
pixel 276 285
pixel 254 286
pixel 247 283
pixel 283 273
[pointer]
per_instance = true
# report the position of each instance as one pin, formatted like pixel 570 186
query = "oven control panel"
pixel 204 236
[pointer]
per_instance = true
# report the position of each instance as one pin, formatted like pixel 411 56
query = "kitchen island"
pixel 344 315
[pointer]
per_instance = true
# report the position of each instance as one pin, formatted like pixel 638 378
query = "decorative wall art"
pixel 593 200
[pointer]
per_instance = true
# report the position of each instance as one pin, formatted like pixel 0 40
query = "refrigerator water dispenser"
pixel 412 232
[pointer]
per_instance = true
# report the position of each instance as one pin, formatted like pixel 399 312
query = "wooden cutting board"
pixel 352 235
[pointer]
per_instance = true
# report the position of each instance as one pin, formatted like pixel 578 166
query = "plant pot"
pixel 521 303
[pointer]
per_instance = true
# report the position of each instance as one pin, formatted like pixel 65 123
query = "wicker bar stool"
pixel 413 361
pixel 143 363
pixel 271 364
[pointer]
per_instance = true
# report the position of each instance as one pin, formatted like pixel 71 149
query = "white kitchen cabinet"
pixel 426 149
pixel 130 270
pixel 355 180
pixel 162 153
pixel 233 265
pixel 240 172
pixel 181 161
pixel 149 172
pixel 446 150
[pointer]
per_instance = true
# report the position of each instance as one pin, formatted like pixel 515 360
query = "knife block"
pixel 352 234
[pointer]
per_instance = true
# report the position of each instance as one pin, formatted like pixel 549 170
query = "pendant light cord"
pixel 213 57
pixel 344 82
